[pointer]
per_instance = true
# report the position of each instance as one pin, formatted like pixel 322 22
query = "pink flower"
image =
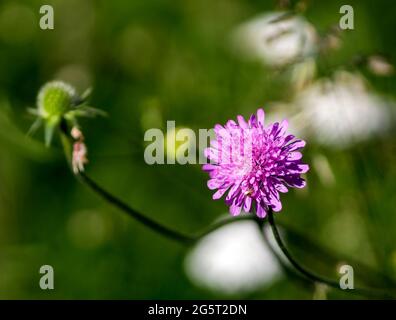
pixel 254 164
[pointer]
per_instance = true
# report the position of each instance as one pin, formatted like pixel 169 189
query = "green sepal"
pixel 49 129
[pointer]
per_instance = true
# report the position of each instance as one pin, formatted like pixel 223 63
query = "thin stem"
pixel 287 269
pixel 310 275
pixel 292 261
pixel 113 200
pixel 221 223
pixel 326 254
pixel 148 222
pixel 151 224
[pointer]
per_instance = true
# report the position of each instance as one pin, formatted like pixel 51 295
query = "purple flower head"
pixel 254 163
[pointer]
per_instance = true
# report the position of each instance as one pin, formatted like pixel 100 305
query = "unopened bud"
pixel 54 99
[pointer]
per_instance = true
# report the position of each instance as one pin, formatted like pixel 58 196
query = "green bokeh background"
pixel 148 62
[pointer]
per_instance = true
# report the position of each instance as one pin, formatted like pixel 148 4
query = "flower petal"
pixel 219 193
pixel 214 184
pixel 295 181
pixel 295 145
pixel 260 117
pixel 233 191
pixel 292 156
pixel 283 127
pixel 260 211
pixel 242 123
pixel 209 167
pixel 247 205
pixel 235 209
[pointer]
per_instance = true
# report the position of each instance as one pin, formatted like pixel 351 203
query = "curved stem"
pixel 286 268
pixel 325 254
pixel 151 224
pixel 221 223
pixel 310 275
pixel 289 257
pixel 113 200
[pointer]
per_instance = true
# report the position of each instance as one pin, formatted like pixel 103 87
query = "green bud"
pixel 55 99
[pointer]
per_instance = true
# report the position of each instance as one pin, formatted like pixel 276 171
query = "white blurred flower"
pixel 276 39
pixel 342 111
pixel 232 259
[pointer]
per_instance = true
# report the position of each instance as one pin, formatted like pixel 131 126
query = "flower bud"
pixel 56 102
pixel 54 99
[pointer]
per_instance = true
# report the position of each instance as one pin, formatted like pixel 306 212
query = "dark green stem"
pixel 148 222
pixel 151 224
pixel 289 257
pixel 310 275
pixel 116 202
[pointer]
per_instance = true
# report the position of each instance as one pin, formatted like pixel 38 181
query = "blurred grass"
pixel 176 54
